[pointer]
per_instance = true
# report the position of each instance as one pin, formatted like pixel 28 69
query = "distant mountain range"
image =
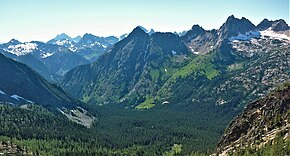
pixel 60 54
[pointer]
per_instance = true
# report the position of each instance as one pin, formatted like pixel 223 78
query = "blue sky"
pixel 28 20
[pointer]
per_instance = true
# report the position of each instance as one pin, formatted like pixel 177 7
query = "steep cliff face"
pixel 260 123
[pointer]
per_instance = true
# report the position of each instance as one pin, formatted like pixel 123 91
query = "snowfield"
pixel 22 49
pixel 246 37
pixel 45 55
pixel 275 35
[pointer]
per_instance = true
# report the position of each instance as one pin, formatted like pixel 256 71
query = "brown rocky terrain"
pixel 259 124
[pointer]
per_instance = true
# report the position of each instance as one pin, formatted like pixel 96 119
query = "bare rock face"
pixel 280 25
pixel 265 24
pixel 277 25
pixel 258 124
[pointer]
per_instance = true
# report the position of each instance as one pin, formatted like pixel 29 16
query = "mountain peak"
pixel 137 32
pixel 14 42
pixel 61 36
pixel 234 26
pixel 232 17
pixel 88 35
pixel 196 27
pixel 280 25
pixel 194 32
pixel 265 20
pixel 265 24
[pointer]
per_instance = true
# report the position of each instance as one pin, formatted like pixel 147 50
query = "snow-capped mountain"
pixel 50 60
pixel 89 46
pixel 21 48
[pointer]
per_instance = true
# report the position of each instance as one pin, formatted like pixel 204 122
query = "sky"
pixel 42 20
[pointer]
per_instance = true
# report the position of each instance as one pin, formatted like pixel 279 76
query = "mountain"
pixel 200 41
pixel 277 25
pixel 152 70
pixel 127 63
pixel 63 40
pixel 194 32
pixel 234 26
pixel 280 25
pixel 262 127
pixel 62 36
pixel 158 94
pixel 89 47
pixel 20 84
pixel 51 61
pixel 265 24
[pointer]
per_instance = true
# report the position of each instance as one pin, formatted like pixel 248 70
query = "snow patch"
pixel 17 97
pixel 274 35
pixel 22 49
pixel 174 52
pixel 45 55
pixel 30 101
pixel 246 37
pixel 192 50
pixel 3 93
pixel 73 49
pixel 64 42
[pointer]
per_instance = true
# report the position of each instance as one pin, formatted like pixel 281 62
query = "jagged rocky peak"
pixel 62 36
pixel 197 28
pixel 194 32
pixel 234 26
pixel 14 42
pixel 280 25
pixel 137 32
pixel 88 36
pixel 88 39
pixel 265 24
